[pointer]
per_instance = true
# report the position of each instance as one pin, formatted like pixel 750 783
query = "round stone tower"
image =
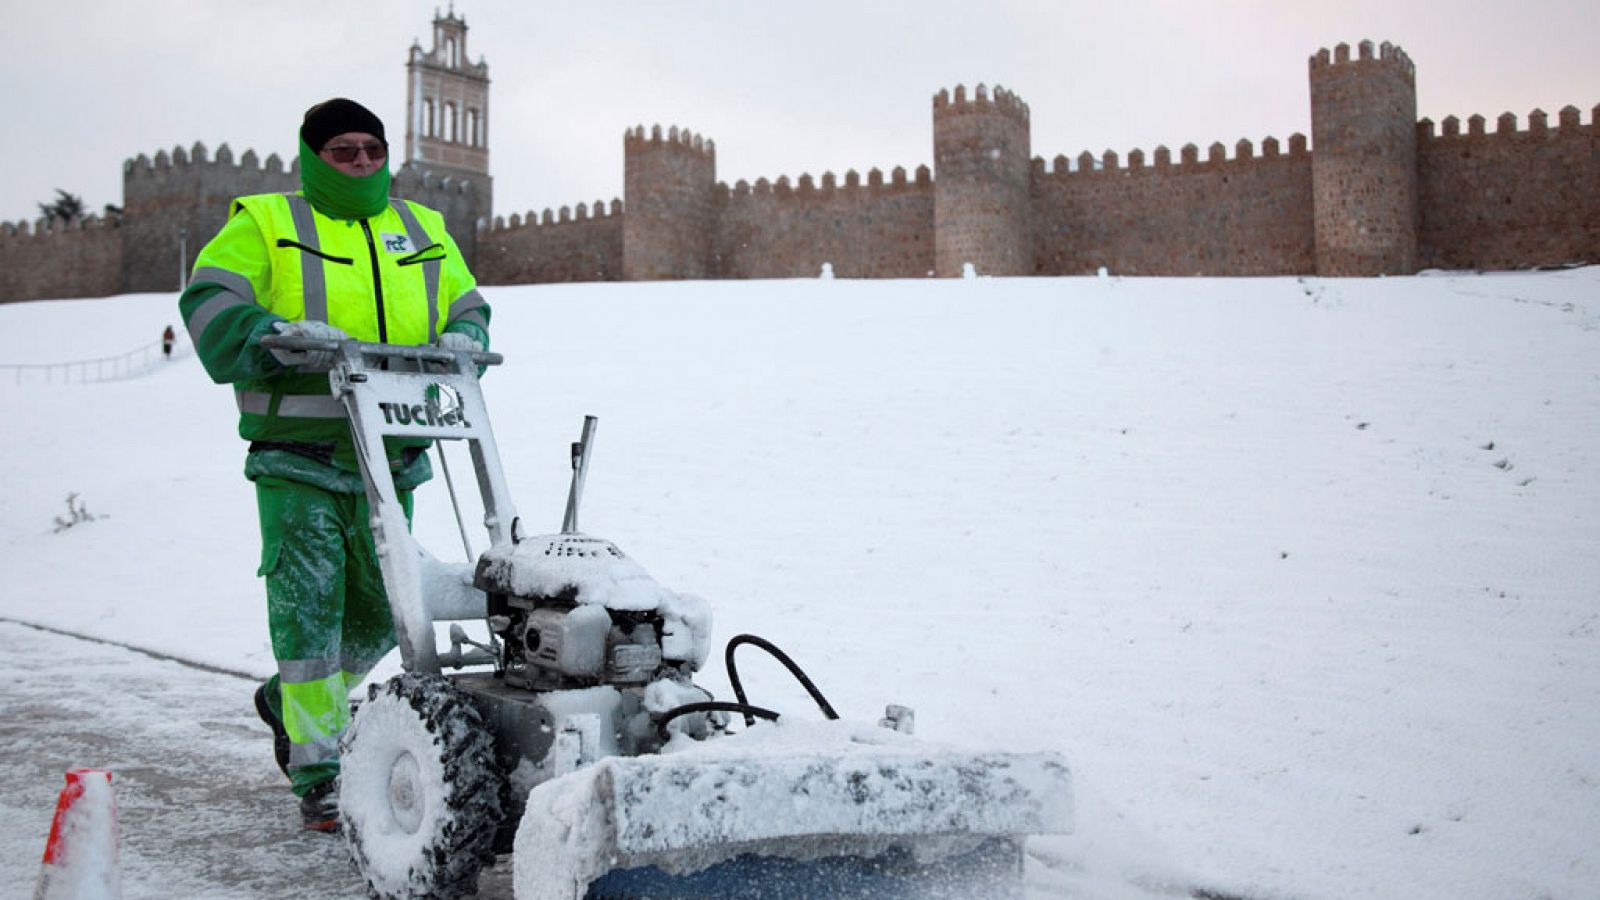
pixel 1364 161
pixel 668 215
pixel 981 195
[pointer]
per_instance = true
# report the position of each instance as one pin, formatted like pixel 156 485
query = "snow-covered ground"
pixel 1301 575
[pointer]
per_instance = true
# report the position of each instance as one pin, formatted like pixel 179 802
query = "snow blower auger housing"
pixel 576 739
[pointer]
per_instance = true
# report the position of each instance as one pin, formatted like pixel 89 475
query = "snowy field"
pixel 1300 575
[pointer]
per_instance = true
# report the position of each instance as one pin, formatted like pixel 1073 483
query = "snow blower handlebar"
pixel 419 353
pixel 421 393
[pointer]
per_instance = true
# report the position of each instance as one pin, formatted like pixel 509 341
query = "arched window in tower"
pixel 473 137
pixel 429 120
pixel 451 122
pixel 452 53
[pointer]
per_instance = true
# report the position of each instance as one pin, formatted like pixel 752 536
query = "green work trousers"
pixel 327 612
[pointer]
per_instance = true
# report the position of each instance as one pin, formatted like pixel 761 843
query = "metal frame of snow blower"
pixel 422 392
pixel 433 394
pixel 430 393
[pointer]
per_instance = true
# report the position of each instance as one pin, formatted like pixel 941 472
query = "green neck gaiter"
pixel 342 196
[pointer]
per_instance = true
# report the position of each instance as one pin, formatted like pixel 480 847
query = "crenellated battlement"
pixel 48 228
pixel 563 216
pixel 637 139
pixel 249 173
pixel 805 187
pixel 196 159
pixel 1569 122
pixel 982 100
pixel 1385 54
pixel 53 258
pixel 1244 153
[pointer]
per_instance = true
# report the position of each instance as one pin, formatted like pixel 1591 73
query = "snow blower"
pixel 573 737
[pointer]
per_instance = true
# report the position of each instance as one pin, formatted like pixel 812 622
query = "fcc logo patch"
pixel 398 243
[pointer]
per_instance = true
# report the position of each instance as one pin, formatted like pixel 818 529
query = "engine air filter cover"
pixel 574 568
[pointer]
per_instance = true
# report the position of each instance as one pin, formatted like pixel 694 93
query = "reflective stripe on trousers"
pixel 326 609
pixel 315 714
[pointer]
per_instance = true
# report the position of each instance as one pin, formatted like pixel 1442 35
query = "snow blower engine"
pixel 574 738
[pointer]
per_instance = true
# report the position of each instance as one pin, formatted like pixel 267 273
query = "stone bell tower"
pixel 447 104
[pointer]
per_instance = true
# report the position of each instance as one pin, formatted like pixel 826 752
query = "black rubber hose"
pixel 780 656
pixel 750 713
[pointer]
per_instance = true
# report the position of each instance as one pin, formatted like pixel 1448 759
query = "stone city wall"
pixel 1509 199
pixel 1375 193
pixel 50 258
pixel 1245 215
pixel 879 229
pixel 173 203
pixel 559 246
pixel 182 198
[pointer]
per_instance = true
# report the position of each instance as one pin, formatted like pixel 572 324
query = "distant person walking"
pixel 167 337
pixel 337 260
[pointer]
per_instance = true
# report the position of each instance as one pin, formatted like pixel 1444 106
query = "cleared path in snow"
pixel 202 810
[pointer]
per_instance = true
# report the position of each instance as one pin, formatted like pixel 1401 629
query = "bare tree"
pixel 66 207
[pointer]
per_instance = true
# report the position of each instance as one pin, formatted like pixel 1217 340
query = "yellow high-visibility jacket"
pixel 396 277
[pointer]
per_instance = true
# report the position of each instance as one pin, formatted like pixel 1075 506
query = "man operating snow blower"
pixel 337 260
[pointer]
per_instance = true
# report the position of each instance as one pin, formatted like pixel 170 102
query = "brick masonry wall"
pixel 1250 215
pixel 874 230
pixel 1510 199
pixel 80 260
pixel 559 247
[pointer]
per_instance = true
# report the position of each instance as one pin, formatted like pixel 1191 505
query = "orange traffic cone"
pixel 80 859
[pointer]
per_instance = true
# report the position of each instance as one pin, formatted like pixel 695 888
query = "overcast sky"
pixel 783 88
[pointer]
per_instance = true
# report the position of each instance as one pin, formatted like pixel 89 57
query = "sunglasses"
pixel 347 153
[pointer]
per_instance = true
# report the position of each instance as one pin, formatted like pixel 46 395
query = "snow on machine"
pixel 574 737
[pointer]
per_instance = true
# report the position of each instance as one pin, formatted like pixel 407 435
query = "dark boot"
pixel 280 737
pixel 319 808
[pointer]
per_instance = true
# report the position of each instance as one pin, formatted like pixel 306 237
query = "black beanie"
pixel 334 117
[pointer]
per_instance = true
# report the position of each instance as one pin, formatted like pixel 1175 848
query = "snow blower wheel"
pixel 419 790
